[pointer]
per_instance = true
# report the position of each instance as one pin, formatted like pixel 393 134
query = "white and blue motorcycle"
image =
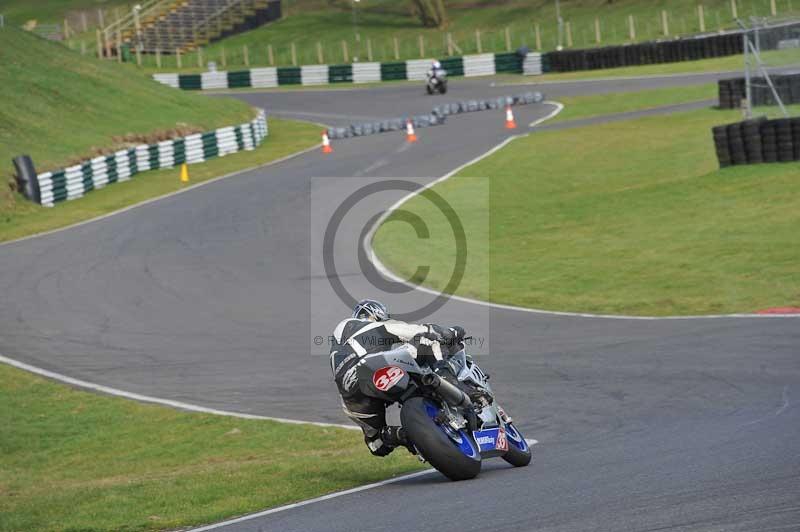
pixel 451 425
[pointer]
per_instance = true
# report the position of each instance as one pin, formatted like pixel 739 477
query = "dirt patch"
pixel 131 140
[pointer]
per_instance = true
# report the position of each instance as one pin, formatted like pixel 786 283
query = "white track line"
pixel 157 400
pixel 370 252
pixel 320 499
pixel 311 501
pixel 558 108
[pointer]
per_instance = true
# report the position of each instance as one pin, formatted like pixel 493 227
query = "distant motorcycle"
pixel 437 81
pixel 452 425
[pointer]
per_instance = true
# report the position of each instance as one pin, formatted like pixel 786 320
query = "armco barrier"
pixel 733 91
pixel 758 141
pixel 74 181
pixel 469 65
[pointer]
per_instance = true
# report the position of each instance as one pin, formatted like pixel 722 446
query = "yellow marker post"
pixel 184 173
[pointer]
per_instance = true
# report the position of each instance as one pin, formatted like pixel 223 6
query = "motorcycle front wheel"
pixel 519 452
pixel 453 453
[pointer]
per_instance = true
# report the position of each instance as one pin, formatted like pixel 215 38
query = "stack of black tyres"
pixel 736 143
pixel 783 130
pixel 733 91
pixel 721 144
pixel 751 135
pixel 758 141
pixel 796 137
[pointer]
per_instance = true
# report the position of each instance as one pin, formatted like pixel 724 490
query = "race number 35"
pixel 385 378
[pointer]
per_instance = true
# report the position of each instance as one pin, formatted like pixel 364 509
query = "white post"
pixel 734 10
pixel 665 22
pixel 631 28
pixel 597 38
pixel 701 17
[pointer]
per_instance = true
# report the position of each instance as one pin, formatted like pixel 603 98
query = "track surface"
pixel 206 297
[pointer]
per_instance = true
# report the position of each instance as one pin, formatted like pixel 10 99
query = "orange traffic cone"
pixel 326 143
pixel 410 135
pixel 510 123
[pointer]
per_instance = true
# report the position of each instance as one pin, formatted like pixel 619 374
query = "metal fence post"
pixel 748 112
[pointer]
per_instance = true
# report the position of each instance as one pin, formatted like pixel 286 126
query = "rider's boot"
pixel 395 437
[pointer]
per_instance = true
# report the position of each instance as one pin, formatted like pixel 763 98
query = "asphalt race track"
pixel 212 297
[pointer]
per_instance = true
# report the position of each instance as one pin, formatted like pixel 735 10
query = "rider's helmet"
pixel 369 309
pixel 436 65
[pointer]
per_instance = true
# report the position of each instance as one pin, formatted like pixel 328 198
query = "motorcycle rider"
pixel 371 330
pixel 436 69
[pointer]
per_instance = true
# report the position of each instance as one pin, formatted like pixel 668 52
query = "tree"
pixel 431 13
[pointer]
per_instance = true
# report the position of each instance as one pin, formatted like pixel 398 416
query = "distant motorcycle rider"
pixel 436 70
pixel 371 330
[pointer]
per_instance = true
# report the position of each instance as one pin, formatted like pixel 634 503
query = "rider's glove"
pixel 427 338
pixel 458 333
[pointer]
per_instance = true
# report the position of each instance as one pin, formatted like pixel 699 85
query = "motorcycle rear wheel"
pixel 434 443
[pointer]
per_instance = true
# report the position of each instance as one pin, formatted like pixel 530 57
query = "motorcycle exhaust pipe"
pixel 447 391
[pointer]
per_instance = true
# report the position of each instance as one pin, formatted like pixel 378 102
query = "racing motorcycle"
pixel 451 420
pixel 437 82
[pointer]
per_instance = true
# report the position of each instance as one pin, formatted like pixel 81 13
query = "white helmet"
pixel 436 65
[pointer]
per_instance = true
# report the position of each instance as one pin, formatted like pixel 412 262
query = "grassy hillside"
pixel 20 11
pixel 58 106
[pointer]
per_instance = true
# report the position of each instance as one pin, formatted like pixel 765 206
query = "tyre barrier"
pixel 74 181
pixel 468 66
pixel 757 141
pixel 664 51
pixel 733 91
pixel 436 117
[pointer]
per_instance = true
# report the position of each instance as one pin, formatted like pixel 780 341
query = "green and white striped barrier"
pixel 75 181
pixel 468 66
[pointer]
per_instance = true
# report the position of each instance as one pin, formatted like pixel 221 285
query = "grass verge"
pixel 576 107
pixel 632 217
pixel 72 460
pixel 19 217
